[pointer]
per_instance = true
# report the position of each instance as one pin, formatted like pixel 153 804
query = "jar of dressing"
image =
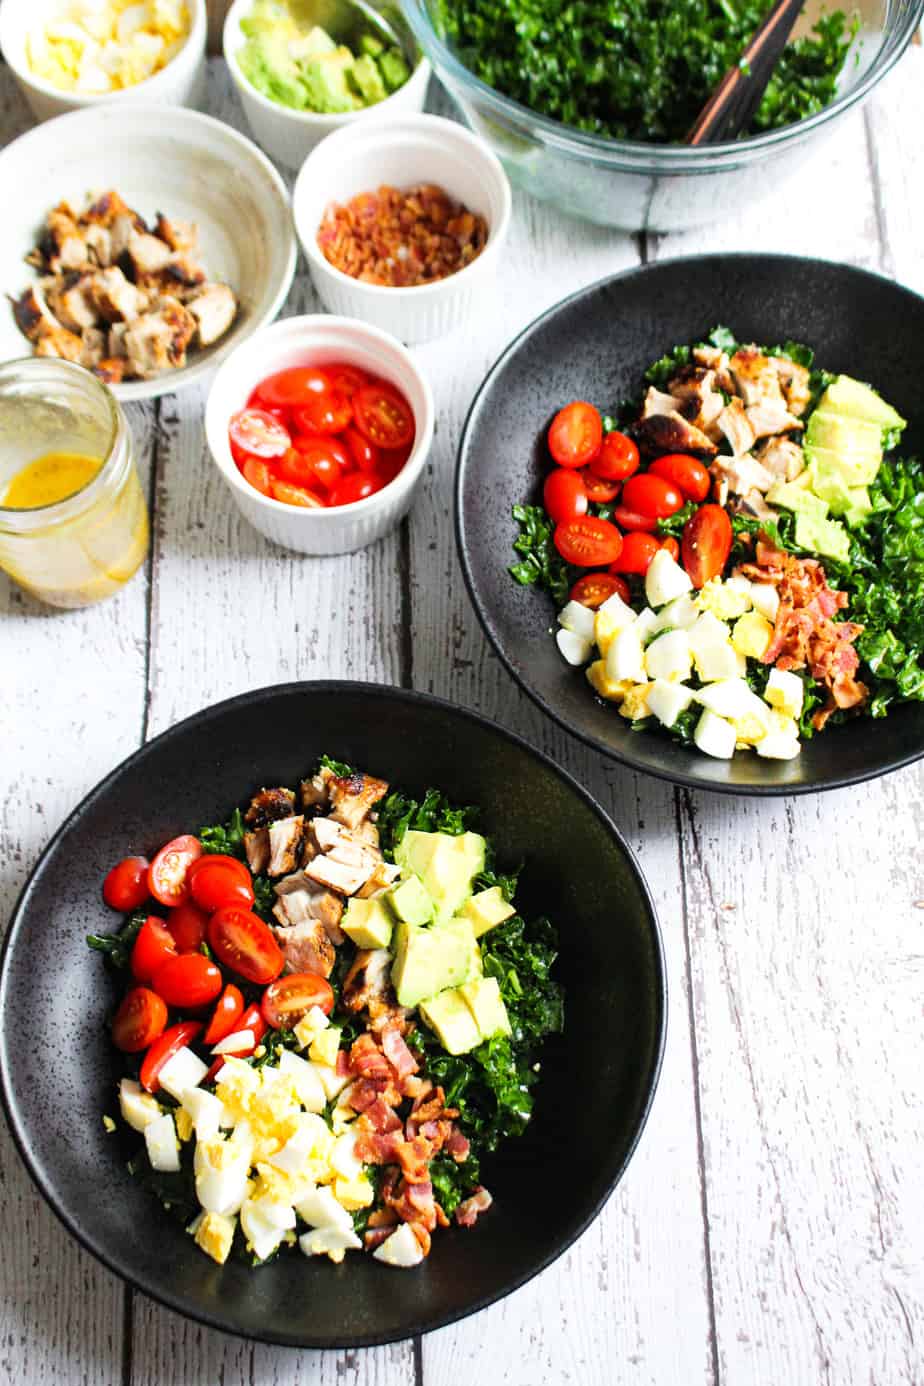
pixel 73 519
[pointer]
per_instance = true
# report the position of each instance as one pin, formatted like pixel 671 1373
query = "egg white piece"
pixel 320 1209
pixel 714 736
pixel 162 1145
pixel 400 1249
pixel 221 1169
pixel 577 618
pixel 625 658
pixel 574 649
pixel 183 1070
pixel 208 1114
pixel 765 599
pixel 666 701
pixel 260 1225
pixel 305 1080
pixel 665 579
pixel 669 657
pixel 138 1107
pixel 329 1241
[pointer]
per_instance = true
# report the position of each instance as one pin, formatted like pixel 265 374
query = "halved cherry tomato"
pixel 138 1021
pixel 210 858
pixel 672 547
pixel 617 458
pixel 686 473
pixel 327 413
pixel 189 980
pixel 126 885
pixel 357 487
pixel 228 1010
pixel 290 998
pixel 164 1048
pixel 365 454
pixel 651 495
pixel 575 434
pixel 218 883
pixel 241 941
pixel 307 442
pixel 167 872
pixel 290 388
pixel 383 416
pixel 706 544
pixel 593 589
pixel 346 378
pixel 187 925
pixel 295 495
pixel 311 467
pixel 254 433
pixel 258 474
pixel 153 946
pixel 588 542
pixel 638 550
pixel 632 521
pixel 251 1020
pixel 599 491
pixel 564 495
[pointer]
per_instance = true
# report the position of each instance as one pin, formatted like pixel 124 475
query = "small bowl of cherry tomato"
pixel 321 426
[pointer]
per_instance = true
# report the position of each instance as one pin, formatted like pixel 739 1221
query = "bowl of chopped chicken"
pixel 149 249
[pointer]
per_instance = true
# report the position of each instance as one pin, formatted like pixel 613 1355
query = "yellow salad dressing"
pixel 50 478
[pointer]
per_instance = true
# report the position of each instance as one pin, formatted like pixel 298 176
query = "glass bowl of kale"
pixel 587 101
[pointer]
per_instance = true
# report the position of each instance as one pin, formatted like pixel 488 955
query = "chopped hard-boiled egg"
pixel 263 1223
pixel 577 618
pixel 97 46
pixel 680 614
pixel 669 657
pixel 646 625
pixel 138 1107
pixel 329 1241
pixel 725 601
pixel 320 1208
pixel 667 701
pixel 611 617
pixel 752 634
pixel 222 1169
pixel 400 1249
pixel 323 1049
pixel 574 648
pixel 310 1026
pixel 665 579
pixel 183 1070
pixel 354 1193
pixel 785 692
pixel 214 1234
pixel 162 1145
pixel 635 704
pixel 613 691
pixel 205 1112
pixel 302 1077
pixel 625 658
pixel 715 736
pixel 765 599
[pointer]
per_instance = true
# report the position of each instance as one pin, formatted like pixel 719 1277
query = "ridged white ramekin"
pixel 403 151
pixel 310 341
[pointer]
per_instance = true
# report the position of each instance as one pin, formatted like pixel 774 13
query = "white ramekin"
pixel 310 341
pixel 289 136
pixel 180 83
pixel 403 151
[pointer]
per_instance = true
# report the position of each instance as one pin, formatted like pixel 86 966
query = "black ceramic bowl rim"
pixel 161 1293
pixel 636 762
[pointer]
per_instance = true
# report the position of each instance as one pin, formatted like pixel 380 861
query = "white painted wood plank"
pixel 894 122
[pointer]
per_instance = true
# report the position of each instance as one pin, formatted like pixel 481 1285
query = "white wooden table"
pixel 769 1230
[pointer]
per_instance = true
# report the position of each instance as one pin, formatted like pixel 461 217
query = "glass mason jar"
pixel 80 549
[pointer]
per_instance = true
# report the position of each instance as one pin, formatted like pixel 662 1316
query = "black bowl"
pixel 596 345
pixel 58 1077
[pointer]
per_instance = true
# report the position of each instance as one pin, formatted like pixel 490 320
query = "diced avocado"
pixel 367 80
pixel 372 45
pixel 312 44
pixel 860 508
pixel 486 909
pixel 445 864
pixel 843 434
pixel 325 79
pixel 829 484
pixel 428 961
pixel 464 929
pixel 265 63
pixel 797 498
pixel 826 537
pixel 486 1004
pixel 368 923
pixel 394 69
pixel 854 469
pixel 409 901
pixel 859 401
pixel 452 1022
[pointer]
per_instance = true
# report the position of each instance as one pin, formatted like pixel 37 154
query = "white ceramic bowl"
pixel 403 151
pixel 309 341
pixel 287 135
pixel 177 161
pixel 180 83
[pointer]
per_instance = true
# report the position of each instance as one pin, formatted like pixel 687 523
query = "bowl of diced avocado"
pixel 303 68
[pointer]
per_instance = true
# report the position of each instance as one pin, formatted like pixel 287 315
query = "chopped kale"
pixel 118 947
pixel 226 838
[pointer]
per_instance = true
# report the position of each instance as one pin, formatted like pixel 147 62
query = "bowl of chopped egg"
pixel 68 54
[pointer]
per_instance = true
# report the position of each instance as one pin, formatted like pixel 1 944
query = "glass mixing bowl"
pixel 649 187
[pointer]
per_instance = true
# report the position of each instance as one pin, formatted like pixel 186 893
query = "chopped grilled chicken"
pixel 300 899
pixel 326 833
pixel 58 342
pixel 177 275
pixel 179 235
pixel 285 840
pixel 269 805
pixel 214 307
pixel 368 977
pixel 754 502
pixel 306 948
pixel 782 457
pixel 756 377
pixel 32 314
pixel 316 792
pixel 257 849
pixel 743 474
pixel 98 241
pixel 657 402
pixel 115 298
pixel 661 433
pixel 367 833
pixel 111 369
pixel 120 233
pixel 796 383
pixel 697 399
pixel 157 342
pixel 147 253
pixel 108 208
pixel 344 877
pixel 70 298
pixel 733 421
pixel 384 875
pixel 116 340
pixel 62 244
pixel 353 798
pixel 770 418
pixel 94 347
pixel 714 359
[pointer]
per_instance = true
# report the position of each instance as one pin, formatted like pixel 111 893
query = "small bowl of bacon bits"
pixel 402 222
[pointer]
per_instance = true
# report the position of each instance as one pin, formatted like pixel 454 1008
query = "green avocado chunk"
pixel 409 901
pixel 486 909
pixel 825 537
pixel 797 498
pixel 367 80
pixel 484 1000
pixel 368 923
pixel 394 69
pixel 858 401
pixel 427 961
pixel 445 864
pixel 452 1022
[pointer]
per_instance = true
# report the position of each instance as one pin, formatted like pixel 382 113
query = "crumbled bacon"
pixel 373 1148
pixel 367 1059
pixel 397 1052
pixel 469 1209
pixel 380 1117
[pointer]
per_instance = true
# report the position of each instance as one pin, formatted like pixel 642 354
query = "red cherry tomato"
pixel 228 1010
pixel 366 455
pixel 251 1020
pixel 241 941
pixel 189 980
pixel 672 547
pixel 211 858
pixel 187 925
pixel 599 491
pixel 306 442
pixel 290 998
pixel 706 544
pixel 575 434
pixel 126 885
pixel 356 487
pixel 564 495
pixel 167 872
pixel 153 946
pixel 257 434
pixel 651 495
pixel 218 883
pixel 258 474
pixel 164 1048
pixel 311 467
pixel 630 520
pixel 346 378
pixel 638 550
pixel 290 388
pixel 593 589
pixel 588 542
pixel 617 458
pixel 327 413
pixel 686 473
pixel 295 495
pixel 138 1021
pixel 383 415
